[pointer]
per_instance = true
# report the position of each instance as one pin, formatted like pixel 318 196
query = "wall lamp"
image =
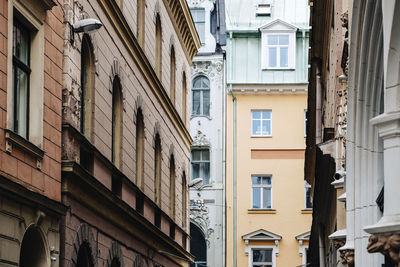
pixel 86 26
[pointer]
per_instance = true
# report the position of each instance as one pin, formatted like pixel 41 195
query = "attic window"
pixel 263 10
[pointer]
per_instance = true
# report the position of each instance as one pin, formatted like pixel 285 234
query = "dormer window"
pixel 263 10
pixel 278 44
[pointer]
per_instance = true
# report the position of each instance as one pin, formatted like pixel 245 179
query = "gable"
pixel 278 25
pixel 261 235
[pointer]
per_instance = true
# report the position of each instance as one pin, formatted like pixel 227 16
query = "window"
pixel 139 148
pixel 305 123
pixel 184 97
pixel 184 200
pixel 261 192
pixel 261 257
pixel 172 187
pixel 116 121
pixel 201 165
pixel 157 169
pixel 261 123
pixel 278 51
pixel 140 21
pixel 87 80
pixel 172 75
pixel 199 19
pixel 201 96
pixel 158 46
pixel 308 196
pixel 263 10
pixel 21 77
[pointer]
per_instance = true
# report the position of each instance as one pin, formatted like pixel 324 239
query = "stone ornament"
pixel 388 245
pixel 200 140
pixel 84 236
pixel 199 216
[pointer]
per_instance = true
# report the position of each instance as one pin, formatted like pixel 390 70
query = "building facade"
pixel 207 128
pixel 268 201
pixel 126 144
pixel 31 37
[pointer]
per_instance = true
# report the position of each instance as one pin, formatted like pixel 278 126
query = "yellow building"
pixel 268 203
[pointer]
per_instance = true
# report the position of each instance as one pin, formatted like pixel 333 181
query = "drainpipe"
pixel 321 242
pixel 318 111
pixel 234 178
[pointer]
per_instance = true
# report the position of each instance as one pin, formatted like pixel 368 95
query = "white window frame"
pixel 261 186
pixel 202 34
pixel 261 135
pixel 291 50
pixel 306 185
pixel 273 248
pixel 201 90
pixel 201 161
pixel 305 123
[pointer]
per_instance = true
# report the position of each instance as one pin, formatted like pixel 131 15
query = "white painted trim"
pixel 251 127
pixel 291 50
pixel 251 192
pixel 275 252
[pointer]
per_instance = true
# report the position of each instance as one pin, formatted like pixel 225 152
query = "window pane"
pixel 21 110
pixel 284 39
pixel 272 39
pixel 272 57
pixel 308 198
pixel 262 255
pixel 206 83
pixel 195 170
pixel 256 180
pixel 284 57
pixel 205 155
pixel 266 114
pixel 197 83
pixel 200 27
pixel 266 127
pixel 256 114
pixel 256 127
pixel 196 103
pixel 205 172
pixel 267 198
pixel 206 102
pixel 21 43
pixel 256 198
pixel 266 180
pixel 196 155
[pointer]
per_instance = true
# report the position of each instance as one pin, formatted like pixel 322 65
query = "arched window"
pixel 115 263
pixel 184 199
pixel 157 169
pixel 33 249
pixel 172 187
pixel 172 75
pixel 87 85
pixel 84 256
pixel 116 121
pixel 184 97
pixel 141 4
pixel 201 96
pixel 139 148
pixel 198 246
pixel 158 46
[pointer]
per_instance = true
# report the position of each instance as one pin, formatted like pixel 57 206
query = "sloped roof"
pixel 261 234
pixel 278 24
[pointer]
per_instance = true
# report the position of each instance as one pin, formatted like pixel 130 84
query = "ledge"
pixel 261 211
pixel 306 211
pixel 15 139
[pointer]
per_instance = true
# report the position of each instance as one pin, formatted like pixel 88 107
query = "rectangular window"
pixel 261 123
pixel 263 10
pixel 21 73
pixel 199 19
pixel 278 51
pixel 201 165
pixel 308 196
pixel 262 257
pixel 261 192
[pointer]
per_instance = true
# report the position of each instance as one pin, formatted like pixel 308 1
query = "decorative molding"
pixel 347 256
pixel 261 235
pixel 212 69
pixel 200 140
pixel 115 252
pixel 386 244
pixel 195 3
pixel 199 216
pixel 85 236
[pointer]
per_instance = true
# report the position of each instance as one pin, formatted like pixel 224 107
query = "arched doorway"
pixel 84 256
pixel 198 246
pixel 33 249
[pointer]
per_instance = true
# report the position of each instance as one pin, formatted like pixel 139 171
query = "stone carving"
pixel 348 257
pixel 388 245
pixel 195 3
pixel 211 69
pixel 199 215
pixel 200 140
pixel 115 253
pixel 85 237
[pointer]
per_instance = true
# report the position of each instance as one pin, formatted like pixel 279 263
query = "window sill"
pixel 201 116
pixel 306 211
pixel 261 136
pixel 17 140
pixel 278 69
pixel 261 211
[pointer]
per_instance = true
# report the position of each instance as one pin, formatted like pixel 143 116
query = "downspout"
pixel 318 109
pixel 321 246
pixel 234 153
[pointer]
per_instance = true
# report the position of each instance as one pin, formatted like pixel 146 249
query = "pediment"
pixel 304 236
pixel 261 235
pixel 278 25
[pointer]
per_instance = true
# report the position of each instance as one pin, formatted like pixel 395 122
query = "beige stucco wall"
pixel 288 193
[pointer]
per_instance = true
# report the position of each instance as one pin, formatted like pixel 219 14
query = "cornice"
pixel 122 28
pixel 77 183
pixel 179 13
